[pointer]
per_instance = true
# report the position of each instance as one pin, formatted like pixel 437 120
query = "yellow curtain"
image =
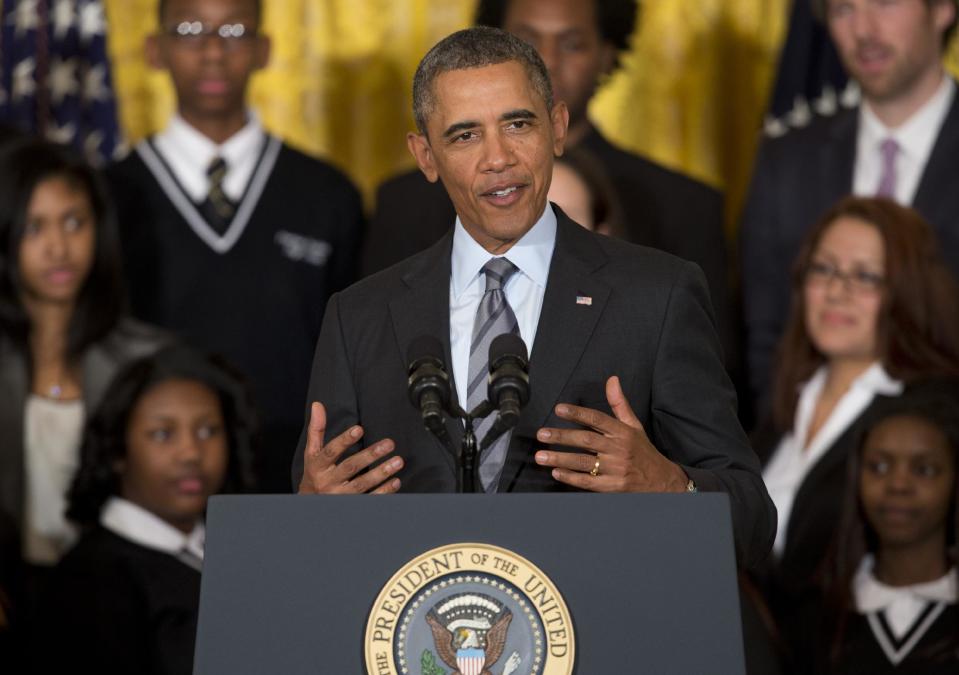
pixel 691 93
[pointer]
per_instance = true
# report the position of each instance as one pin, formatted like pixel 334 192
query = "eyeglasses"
pixel 195 33
pixel 858 281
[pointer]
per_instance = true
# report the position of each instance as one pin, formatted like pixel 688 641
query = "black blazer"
pixel 796 179
pixel 662 209
pixel 814 518
pixel 649 322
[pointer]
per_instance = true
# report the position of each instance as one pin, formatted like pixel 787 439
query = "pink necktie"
pixel 888 150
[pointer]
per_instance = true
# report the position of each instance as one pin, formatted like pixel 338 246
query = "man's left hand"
pixel 619 456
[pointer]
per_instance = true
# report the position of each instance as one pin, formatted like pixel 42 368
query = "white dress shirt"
pixel 916 138
pixel 189 153
pixel 796 455
pixel 524 290
pixel 52 433
pixel 133 522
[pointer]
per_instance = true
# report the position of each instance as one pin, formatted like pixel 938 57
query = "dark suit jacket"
pixel 649 322
pixel 662 209
pixel 796 179
pixel 813 520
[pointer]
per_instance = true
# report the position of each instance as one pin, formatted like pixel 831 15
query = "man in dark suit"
pixel 902 141
pixel 629 393
pixel 580 42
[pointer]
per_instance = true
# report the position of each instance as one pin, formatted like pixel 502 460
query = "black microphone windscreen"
pixel 424 346
pixel 507 344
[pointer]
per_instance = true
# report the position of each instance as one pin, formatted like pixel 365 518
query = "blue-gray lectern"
pixel 569 583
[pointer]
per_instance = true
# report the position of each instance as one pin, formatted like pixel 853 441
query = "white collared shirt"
pixel 796 455
pixel 524 290
pixel 133 522
pixel 189 153
pixel 902 605
pixel 916 138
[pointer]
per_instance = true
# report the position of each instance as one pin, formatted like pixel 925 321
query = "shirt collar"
pixel 200 150
pixel 143 527
pixel 531 254
pixel 874 380
pixel 917 135
pixel 872 595
pixel 878 382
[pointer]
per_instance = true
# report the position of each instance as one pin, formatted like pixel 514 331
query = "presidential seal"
pixel 469 609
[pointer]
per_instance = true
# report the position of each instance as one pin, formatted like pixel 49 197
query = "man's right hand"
pixel 322 474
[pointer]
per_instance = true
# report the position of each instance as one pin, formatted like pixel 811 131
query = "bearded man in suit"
pixel 900 142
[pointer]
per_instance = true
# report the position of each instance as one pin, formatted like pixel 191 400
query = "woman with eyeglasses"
pixel 873 309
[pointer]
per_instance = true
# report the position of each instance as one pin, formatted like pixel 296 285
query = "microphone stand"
pixel 468 459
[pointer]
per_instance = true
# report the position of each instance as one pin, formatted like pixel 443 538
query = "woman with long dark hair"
pixel 890 585
pixel 62 331
pixel 873 309
pixel 173 429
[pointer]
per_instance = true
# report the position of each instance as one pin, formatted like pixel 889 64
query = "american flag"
pixel 55 74
pixel 811 79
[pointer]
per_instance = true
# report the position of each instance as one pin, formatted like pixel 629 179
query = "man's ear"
pixel 944 13
pixel 607 60
pixel 559 119
pixel 154 54
pixel 419 146
pixel 263 49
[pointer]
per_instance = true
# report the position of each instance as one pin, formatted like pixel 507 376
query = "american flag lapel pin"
pixel 584 300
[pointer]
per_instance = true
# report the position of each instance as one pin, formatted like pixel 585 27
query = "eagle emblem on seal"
pixel 469 631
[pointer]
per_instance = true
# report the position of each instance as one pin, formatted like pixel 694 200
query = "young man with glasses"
pixel 232 239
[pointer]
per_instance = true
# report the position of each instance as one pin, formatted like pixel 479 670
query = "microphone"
pixel 429 384
pixel 508 388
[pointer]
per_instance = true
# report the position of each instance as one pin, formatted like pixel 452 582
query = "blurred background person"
pixel 63 336
pixel 889 599
pixel 901 142
pixel 874 308
pixel 173 429
pixel 233 239
pixel 582 189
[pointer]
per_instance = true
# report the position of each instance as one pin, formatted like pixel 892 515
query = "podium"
pixel 317 584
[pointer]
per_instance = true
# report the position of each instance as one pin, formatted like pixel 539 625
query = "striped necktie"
pixel 218 209
pixel 493 317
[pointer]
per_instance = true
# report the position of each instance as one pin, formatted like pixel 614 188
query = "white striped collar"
pixel 185 206
pixel 873 595
pixel 899 616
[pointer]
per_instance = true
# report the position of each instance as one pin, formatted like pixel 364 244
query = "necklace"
pixel 56 391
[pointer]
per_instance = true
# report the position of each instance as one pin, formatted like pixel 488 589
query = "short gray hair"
pixel 475 48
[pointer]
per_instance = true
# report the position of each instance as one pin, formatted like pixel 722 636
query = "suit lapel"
pixel 14 388
pixel 938 177
pixel 838 157
pixel 424 310
pixel 572 305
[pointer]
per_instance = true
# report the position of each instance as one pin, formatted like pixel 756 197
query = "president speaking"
pixel 627 387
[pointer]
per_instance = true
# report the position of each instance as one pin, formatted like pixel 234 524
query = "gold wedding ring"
pixel 595 470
